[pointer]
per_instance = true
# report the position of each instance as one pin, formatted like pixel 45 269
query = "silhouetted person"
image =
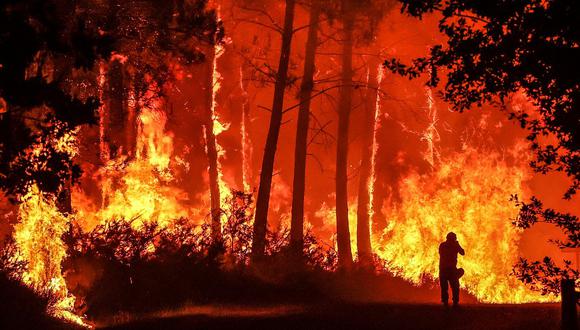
pixel 448 272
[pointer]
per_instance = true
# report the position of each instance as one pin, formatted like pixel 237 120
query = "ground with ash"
pixel 358 316
pixel 358 301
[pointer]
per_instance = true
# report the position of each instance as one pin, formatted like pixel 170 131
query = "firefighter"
pixel 449 274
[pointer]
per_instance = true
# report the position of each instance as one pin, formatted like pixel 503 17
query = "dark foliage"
pixel 534 212
pixel 145 267
pixel 45 46
pixel 20 306
pixel 33 33
pixel 155 36
pixel 368 15
pixel 495 49
pixel 544 276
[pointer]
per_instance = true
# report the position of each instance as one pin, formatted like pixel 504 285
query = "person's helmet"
pixel 451 236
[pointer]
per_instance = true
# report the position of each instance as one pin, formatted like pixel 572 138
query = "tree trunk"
pixel 212 154
pixel 363 237
pixel 297 224
pixel 247 175
pixel 345 105
pixel 133 111
pixel 117 116
pixel 262 203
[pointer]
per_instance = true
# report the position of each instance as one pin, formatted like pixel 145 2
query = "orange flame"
pixel 375 146
pixel 246 147
pixel 37 238
pixel 218 126
pixel 142 188
pixel 431 135
pixel 469 195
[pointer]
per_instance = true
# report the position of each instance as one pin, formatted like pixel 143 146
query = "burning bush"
pixel 123 266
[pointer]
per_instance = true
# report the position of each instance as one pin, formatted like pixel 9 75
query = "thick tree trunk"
pixel 345 105
pixel 212 154
pixel 363 237
pixel 263 201
pixel 299 184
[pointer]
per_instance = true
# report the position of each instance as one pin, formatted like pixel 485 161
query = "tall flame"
pixel 218 126
pixel 468 194
pixel 142 188
pixel 431 135
pixel 328 216
pixel 375 146
pixel 37 238
pixel 246 147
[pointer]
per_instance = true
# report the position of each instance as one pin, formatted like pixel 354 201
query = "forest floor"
pixel 350 316
pixel 368 302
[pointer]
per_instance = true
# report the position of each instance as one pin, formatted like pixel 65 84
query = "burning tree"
pixel 494 50
pixel 350 13
pixel 263 200
pixel 44 106
pixel 300 151
pixel 152 75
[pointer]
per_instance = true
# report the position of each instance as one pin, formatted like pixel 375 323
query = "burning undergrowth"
pixel 124 266
pixel 156 221
pixel 466 193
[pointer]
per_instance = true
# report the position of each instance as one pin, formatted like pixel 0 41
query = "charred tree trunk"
pixel 133 112
pixel 212 154
pixel 263 201
pixel 247 173
pixel 299 184
pixel 345 105
pixel 117 110
pixel 363 236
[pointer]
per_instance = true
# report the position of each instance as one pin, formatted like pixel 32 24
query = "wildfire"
pixel 37 241
pixel 103 147
pixel 468 194
pixel 328 216
pixel 37 238
pixel 375 146
pixel 431 135
pixel 218 126
pixel 142 188
pixel 246 147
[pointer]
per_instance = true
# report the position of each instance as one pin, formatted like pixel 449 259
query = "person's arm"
pixel 460 249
